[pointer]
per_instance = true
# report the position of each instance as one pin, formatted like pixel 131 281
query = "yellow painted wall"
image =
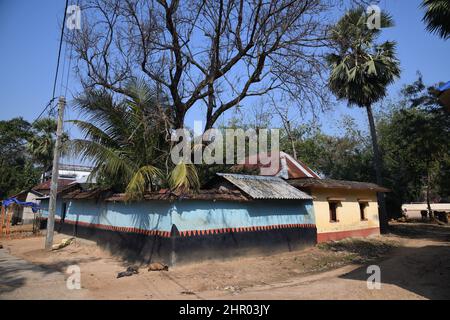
pixel 347 212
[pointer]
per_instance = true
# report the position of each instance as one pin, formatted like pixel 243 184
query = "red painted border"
pixel 188 233
pixel 329 236
pixel 244 229
pixel 165 234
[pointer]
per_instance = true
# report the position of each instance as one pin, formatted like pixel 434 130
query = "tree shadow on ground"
pixel 361 250
pixel 12 272
pixel 61 266
pixel 424 271
pixel 421 231
pixel 15 272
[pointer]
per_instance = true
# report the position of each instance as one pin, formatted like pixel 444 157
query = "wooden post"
pixel 9 213
pixel 1 221
pixel 54 184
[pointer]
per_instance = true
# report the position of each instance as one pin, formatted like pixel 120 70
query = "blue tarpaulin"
pixel 34 206
pixel 444 87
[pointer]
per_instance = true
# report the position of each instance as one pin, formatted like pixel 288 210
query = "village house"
pixel 232 215
pixel 235 215
pixel 342 208
pixel 67 174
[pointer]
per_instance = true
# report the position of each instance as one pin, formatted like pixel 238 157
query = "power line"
pixel 60 47
pixel 43 111
pixel 57 64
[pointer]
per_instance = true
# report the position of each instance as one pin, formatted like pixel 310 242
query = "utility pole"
pixel 55 171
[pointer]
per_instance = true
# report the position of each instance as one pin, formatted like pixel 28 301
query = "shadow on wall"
pixel 139 215
pixel 200 215
pixel 423 271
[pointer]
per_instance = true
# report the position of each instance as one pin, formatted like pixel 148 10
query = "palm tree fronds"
pixel 141 182
pixel 184 177
pixel 437 17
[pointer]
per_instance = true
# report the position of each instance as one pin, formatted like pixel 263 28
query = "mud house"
pixel 342 208
pixel 236 215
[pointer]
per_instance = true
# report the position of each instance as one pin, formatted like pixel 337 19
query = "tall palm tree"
pixel 437 17
pixel 361 70
pixel 126 141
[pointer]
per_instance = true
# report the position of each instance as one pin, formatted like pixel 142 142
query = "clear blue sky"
pixel 29 34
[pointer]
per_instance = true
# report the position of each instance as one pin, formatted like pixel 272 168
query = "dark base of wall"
pixel 133 247
pixel 178 250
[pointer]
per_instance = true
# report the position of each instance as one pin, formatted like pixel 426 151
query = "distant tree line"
pixel 26 153
pixel 414 139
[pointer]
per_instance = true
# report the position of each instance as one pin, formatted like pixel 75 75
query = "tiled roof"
pixel 286 167
pixel 335 184
pixel 44 186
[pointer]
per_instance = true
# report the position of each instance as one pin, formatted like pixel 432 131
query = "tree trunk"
pixel 378 171
pixel 291 138
pixel 430 212
pixel 180 113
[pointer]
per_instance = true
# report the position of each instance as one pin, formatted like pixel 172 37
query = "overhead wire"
pixel 57 66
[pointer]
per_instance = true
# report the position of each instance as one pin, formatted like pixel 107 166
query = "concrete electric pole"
pixel 55 171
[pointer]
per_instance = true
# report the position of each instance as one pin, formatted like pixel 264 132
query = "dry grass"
pixel 361 250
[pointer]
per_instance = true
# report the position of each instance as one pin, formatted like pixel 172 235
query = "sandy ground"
pixel 414 261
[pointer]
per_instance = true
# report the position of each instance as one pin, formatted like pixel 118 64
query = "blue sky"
pixel 29 34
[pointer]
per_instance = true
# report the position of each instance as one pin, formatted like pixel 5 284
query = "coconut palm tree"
pixel 437 17
pixel 360 72
pixel 126 141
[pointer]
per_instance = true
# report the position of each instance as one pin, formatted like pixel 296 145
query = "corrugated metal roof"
pixel 264 187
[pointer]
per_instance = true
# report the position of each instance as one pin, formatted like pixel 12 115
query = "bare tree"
pixel 213 53
pixel 283 113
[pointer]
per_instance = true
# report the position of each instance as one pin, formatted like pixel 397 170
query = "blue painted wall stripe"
pixel 188 215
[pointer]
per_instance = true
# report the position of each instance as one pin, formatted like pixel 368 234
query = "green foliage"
pixel 437 17
pixel 415 139
pixel 16 170
pixel 139 181
pixel 347 156
pixel 361 70
pixel 184 177
pixel 42 142
pixel 126 141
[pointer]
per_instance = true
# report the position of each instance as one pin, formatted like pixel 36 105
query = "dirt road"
pixel 414 261
pixel 421 271
pixel 20 279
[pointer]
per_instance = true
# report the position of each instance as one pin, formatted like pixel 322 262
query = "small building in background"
pixel 67 174
pixel 444 95
pixel 70 171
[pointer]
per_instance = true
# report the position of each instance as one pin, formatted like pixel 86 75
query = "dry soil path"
pixel 20 279
pixel 418 270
